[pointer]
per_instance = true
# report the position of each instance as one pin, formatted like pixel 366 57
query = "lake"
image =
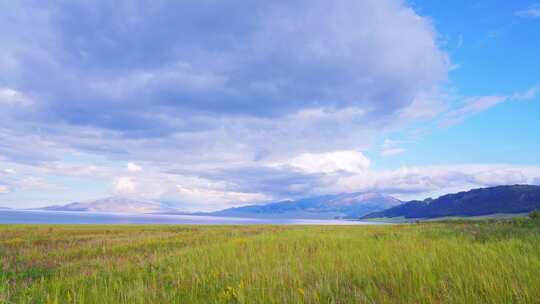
pixel 62 217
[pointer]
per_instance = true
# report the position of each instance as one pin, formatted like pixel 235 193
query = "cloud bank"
pixel 210 104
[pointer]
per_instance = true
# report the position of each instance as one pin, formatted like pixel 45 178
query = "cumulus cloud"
pixel 421 181
pixel 186 191
pixel 11 97
pixel 226 102
pixel 132 167
pixel 415 182
pixel 348 161
pixel 227 83
pixel 217 198
pixel 15 146
pixel 125 186
pixel 27 178
pixel 256 59
pixel 205 188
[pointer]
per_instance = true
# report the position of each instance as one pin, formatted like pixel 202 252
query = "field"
pixel 460 262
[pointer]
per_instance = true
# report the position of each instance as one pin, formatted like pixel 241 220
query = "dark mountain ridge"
pixel 476 202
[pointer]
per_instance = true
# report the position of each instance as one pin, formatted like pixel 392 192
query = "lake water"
pixel 60 217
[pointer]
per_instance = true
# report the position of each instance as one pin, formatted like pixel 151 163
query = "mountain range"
pixel 344 205
pixel 477 202
pixel 114 205
pixel 368 205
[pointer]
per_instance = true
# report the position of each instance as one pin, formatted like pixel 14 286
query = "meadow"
pixel 452 262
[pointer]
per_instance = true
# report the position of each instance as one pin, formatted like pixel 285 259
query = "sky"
pixel 207 104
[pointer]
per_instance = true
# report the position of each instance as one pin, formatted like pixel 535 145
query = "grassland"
pixel 465 262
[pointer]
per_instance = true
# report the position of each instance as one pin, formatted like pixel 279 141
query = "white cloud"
pixel 532 11
pixel 30 183
pixel 474 105
pixel 305 83
pixel 217 198
pixel 471 106
pixel 79 170
pixel 527 95
pixel 393 151
pixel 314 174
pixel 391 148
pixel 426 105
pixel 288 82
pixel 501 176
pixel 422 181
pixel 349 161
pixel 389 143
pixel 12 97
pixel 300 91
pixel 479 104
pixel 4 189
pixel 125 186
pixel 278 58
pixel 132 167
pixel 190 192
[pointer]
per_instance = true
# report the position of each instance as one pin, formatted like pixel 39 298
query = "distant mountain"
pixel 114 204
pixel 345 205
pixel 5 208
pixel 484 201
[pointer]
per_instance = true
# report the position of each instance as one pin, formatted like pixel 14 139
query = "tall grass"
pixel 495 262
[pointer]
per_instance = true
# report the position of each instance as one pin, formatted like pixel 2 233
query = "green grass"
pixel 403 220
pixel 450 262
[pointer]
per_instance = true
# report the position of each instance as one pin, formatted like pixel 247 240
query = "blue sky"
pixel 210 104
